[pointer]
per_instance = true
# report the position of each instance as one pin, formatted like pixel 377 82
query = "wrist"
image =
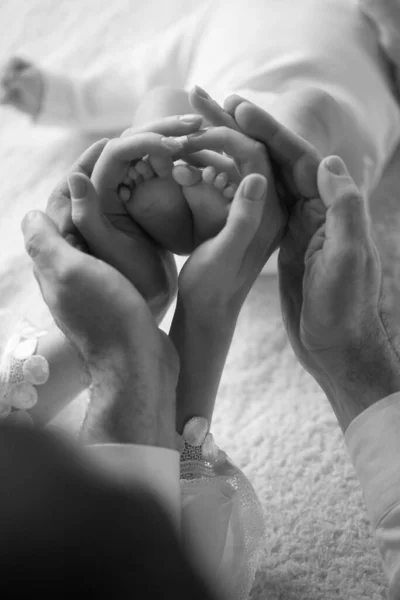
pixel 132 401
pixel 218 317
pixel 362 382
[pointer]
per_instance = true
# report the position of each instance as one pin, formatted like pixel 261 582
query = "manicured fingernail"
pixel 255 187
pixel 77 187
pixel 190 119
pixel 197 133
pixel 171 143
pixel 200 92
pixel 28 218
pixel 335 165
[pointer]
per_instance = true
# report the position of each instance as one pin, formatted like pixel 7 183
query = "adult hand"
pixel 111 325
pixel 329 267
pixel 247 156
pixel 116 247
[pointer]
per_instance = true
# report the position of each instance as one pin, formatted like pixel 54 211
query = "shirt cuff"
pixel 158 469
pixel 373 442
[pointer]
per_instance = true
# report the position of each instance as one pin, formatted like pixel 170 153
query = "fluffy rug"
pixel 271 417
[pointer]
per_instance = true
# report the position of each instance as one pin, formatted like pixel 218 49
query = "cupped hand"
pixel 245 156
pixel 218 275
pixel 122 235
pixel 94 305
pixel 133 365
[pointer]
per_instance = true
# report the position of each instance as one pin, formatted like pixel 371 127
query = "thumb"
pixel 347 218
pixel 244 217
pixel 45 245
pixel 86 210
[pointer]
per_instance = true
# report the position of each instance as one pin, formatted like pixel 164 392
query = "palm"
pixel 305 221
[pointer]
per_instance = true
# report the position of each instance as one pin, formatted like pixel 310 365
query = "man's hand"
pixel 329 267
pixel 130 359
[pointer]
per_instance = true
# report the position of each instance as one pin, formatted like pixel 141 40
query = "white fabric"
pixel 373 442
pixel 258 49
pixel 270 414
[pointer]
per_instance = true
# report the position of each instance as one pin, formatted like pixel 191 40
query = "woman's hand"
pixel 248 157
pixel 110 324
pixel 218 275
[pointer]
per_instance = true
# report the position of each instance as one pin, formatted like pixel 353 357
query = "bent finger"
pixel 48 250
pixel 286 148
pixel 249 154
pixel 210 109
pixel 169 126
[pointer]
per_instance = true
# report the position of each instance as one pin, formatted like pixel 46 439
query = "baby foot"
pixel 179 206
pixel 208 195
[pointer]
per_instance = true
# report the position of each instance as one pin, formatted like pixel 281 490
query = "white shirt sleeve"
pixel 373 441
pixel 158 469
pixel 106 98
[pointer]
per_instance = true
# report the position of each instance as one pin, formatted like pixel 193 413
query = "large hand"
pixel 110 324
pixel 119 250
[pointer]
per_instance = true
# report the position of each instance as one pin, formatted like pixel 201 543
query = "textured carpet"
pixel 271 417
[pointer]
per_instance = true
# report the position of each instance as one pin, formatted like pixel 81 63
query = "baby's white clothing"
pixel 258 49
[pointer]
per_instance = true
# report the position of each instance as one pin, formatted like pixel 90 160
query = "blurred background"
pixel 271 417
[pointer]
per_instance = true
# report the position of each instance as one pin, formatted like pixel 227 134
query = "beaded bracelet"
pixel 20 371
pixel 199 455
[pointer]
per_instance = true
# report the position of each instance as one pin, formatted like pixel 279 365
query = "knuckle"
pixel 33 245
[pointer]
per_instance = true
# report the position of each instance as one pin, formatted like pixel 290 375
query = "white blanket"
pixel 271 417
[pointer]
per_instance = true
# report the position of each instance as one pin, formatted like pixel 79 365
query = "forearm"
pixel 203 347
pixel 68 376
pixel 132 402
pixel 364 381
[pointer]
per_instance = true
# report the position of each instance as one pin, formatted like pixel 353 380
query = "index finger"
pixel 286 148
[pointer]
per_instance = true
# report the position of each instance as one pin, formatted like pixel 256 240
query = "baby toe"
pixel 133 174
pixel 124 193
pixel 128 181
pixel 145 170
pixel 221 181
pixel 230 191
pixel 186 174
pixel 161 165
pixel 209 174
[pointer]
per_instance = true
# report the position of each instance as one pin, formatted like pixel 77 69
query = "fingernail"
pixel 78 187
pixel 335 165
pixel 200 92
pixel 255 187
pixel 30 216
pixel 190 119
pixel 171 143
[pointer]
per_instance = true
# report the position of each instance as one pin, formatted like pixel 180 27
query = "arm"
pixel 203 347
pixel 106 100
pixel 374 447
